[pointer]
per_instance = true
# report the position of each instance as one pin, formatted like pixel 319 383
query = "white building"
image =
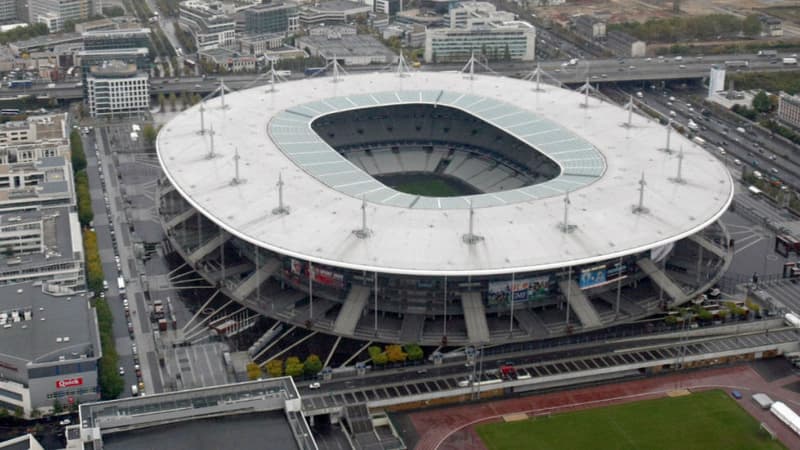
pixel 716 80
pixel 55 13
pixel 513 40
pixel 117 89
pixel 208 23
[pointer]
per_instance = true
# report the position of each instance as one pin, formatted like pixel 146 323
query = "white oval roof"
pixel 520 230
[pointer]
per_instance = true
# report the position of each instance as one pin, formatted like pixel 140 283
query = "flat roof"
pixel 520 229
pixel 41 338
pixel 239 431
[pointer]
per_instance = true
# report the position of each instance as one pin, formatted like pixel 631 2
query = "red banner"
pixel 69 382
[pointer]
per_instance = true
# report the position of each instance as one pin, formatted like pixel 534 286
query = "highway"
pixel 596 70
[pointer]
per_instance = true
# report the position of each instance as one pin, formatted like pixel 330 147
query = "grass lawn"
pixel 428 188
pixel 704 421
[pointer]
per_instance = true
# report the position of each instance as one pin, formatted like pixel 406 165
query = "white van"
pixel 134 390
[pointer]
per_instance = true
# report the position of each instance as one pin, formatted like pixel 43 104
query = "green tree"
pixel 172 100
pixel 57 407
pixel 77 155
pixel 161 100
pixel 751 25
pixel 149 133
pixel 312 365
pixel 761 102
pixel 377 355
pixel 414 352
pixel 113 11
pixel 275 368
pixel 19 413
pixel 294 367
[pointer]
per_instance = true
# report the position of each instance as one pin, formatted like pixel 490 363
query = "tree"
pixel 172 100
pixel 161 100
pixel 751 25
pixel 253 371
pixel 77 155
pixel 149 133
pixel 377 355
pixel 275 368
pixel 761 102
pixel 414 351
pixel 113 11
pixel 57 407
pixel 312 365
pixel 294 368
pixel 19 413
pixel 395 353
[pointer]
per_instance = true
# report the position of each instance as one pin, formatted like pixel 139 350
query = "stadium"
pixel 441 208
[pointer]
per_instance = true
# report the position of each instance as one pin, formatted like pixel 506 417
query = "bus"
pixel 754 190
pixel 20 83
pixel 312 71
pixel 9 112
pixel 121 285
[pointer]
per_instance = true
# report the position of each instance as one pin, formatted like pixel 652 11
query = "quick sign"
pixel 69 382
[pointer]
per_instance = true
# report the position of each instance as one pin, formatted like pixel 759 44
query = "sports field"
pixel 702 421
pixel 427 185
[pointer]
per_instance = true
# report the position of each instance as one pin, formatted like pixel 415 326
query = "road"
pixel 105 227
pixel 754 148
pixel 596 70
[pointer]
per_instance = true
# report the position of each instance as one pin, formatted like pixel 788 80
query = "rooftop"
pixel 61 235
pixel 114 68
pixel 337 6
pixel 602 163
pixel 345 46
pixel 46 327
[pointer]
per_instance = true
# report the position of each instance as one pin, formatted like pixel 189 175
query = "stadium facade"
pixel 562 213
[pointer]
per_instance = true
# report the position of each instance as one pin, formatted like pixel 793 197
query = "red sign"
pixel 69 382
pixel 70 400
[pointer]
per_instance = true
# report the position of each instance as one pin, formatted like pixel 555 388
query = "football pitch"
pixel 702 421
pixel 429 188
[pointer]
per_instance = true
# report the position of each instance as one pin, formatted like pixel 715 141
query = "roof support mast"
pixel 211 154
pixel 471 238
pixel 281 209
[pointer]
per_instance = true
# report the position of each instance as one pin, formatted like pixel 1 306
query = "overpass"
pixel 596 70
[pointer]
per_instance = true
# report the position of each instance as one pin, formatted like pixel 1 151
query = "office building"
pixel 350 49
pixel 116 39
pixel 271 18
pixel 54 13
pixel 116 88
pixel 332 12
pixel 8 11
pixel 34 129
pixel 49 348
pixel 208 23
pixel 388 7
pixel 515 41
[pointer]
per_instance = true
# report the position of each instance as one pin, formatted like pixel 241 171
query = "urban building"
pixel 771 26
pixel 280 17
pixel 388 7
pixel 332 12
pixel 117 88
pixel 49 348
pixel 789 109
pixel 624 45
pixel 225 416
pixel 258 44
pixel 229 60
pixel 116 39
pixel 54 13
pixel 34 129
pixel 348 49
pixel 476 14
pixel 208 23
pixel 8 11
pixel 716 80
pixel 516 41
pixel 590 28
pixel 45 182
pixel 46 42
pixel 96 25
pixel 87 59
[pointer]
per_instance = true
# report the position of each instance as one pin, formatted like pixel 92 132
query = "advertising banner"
pixel 592 277
pixel 523 290
pixel 69 382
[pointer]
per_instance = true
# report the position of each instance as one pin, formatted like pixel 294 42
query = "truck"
pixel 573 62
pixel 767 53
pixel 792 320
pixel 699 141
pixel 121 285
pixel 789 61
pixel 16 84
pixel 134 390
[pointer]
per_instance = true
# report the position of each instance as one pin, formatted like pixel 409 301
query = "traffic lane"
pixel 734 144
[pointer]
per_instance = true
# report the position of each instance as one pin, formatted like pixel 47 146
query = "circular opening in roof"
pixel 433 150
